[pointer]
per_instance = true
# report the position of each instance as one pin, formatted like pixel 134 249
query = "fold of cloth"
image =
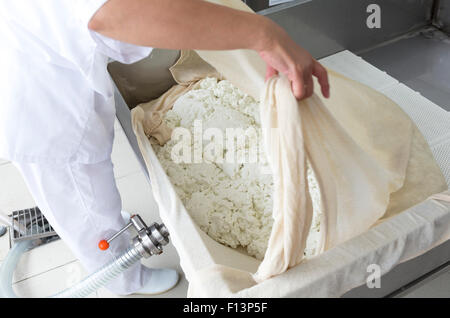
pixel 187 71
pixel 441 196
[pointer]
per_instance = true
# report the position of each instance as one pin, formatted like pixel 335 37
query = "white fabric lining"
pixel 332 273
pixel 432 121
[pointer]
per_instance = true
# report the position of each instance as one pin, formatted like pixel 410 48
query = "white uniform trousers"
pixel 83 205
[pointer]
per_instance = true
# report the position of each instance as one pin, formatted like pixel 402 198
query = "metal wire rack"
pixel 30 224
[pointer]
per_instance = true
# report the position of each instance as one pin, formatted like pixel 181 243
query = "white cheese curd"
pixel 231 202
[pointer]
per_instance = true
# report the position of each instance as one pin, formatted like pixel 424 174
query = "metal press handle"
pixel 151 238
pixel 104 244
pixel 135 221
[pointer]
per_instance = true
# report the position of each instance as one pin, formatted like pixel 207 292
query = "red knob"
pixel 103 245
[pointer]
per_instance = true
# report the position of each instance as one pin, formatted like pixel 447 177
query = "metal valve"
pixel 149 240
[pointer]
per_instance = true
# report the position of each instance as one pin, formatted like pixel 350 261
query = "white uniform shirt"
pixel 56 96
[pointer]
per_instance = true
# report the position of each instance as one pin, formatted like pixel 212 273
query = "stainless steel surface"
pixel 257 5
pixel 421 61
pixel 260 6
pixel 30 224
pixel 150 240
pixel 442 15
pixel 146 79
pixel 406 275
pixel 124 116
pixel 437 284
pixel 325 27
pixel 137 83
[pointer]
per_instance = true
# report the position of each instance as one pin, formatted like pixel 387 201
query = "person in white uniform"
pixel 57 108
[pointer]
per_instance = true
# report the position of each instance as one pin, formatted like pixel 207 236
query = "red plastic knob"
pixel 103 245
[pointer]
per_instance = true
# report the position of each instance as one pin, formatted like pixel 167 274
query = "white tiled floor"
pixel 52 267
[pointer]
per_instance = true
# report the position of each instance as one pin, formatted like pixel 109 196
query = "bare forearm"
pixel 199 25
pixel 181 24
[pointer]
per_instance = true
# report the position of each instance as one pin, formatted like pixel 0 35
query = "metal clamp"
pixel 149 240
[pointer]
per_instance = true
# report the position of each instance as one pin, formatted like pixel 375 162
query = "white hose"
pixel 9 265
pixel 87 286
pixel 102 276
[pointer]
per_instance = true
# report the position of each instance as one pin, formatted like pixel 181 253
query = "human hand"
pixel 283 55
